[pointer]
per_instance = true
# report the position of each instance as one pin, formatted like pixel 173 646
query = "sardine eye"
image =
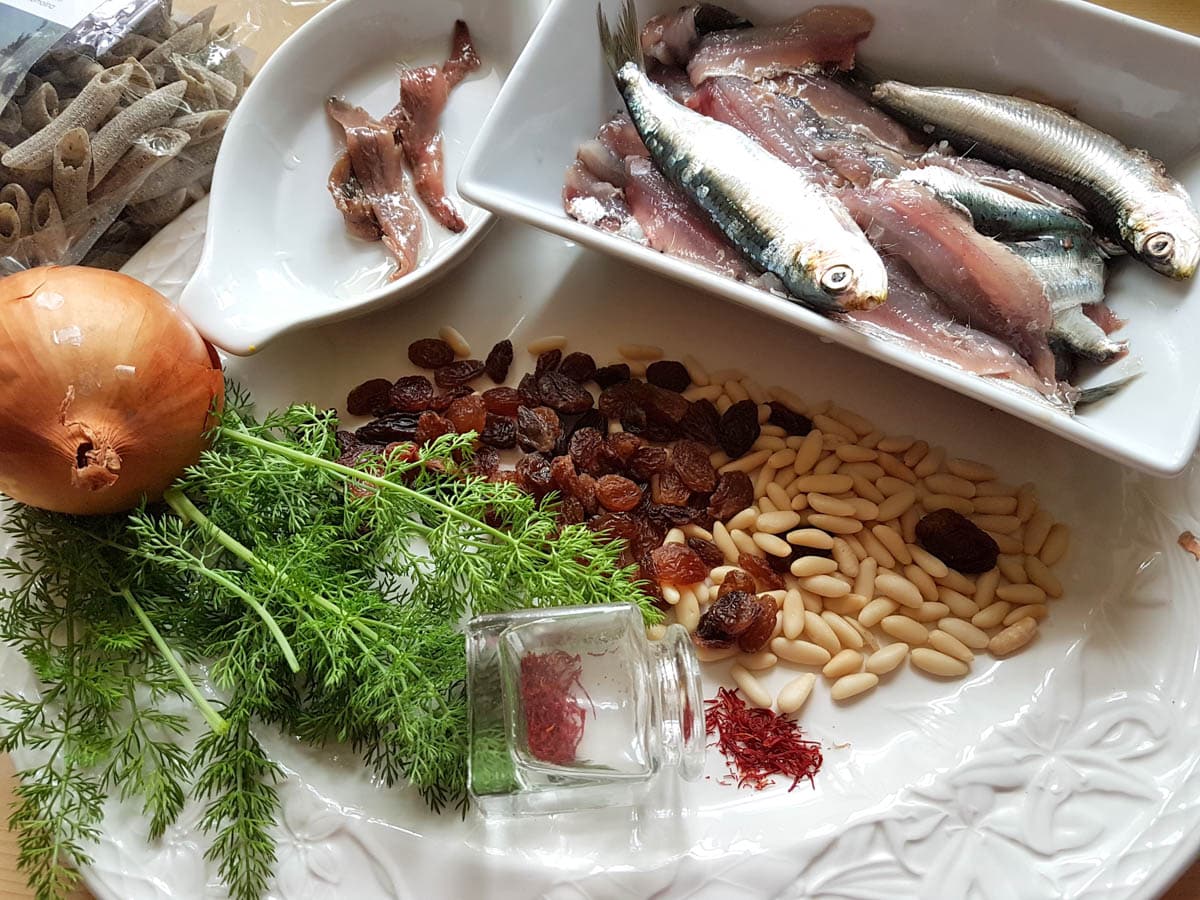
pixel 837 278
pixel 1160 245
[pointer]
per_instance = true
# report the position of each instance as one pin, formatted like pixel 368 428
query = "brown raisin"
pixel 468 414
pixel 584 448
pixel 633 419
pixel 647 461
pixel 789 421
pixel 607 376
pixel 499 432
pixel 662 407
pixel 562 394
pixel 458 374
pixel 700 423
pixel 734 492
pixel 766 577
pixel 668 490
pixel 347 441
pixel 411 393
pixel 957 541
pixel 669 374
pixel 430 353
pixel 707 551
pixel 533 472
pixel 737 580
pixel 485 462
pixel 563 474
pixel 505 476
pixel 389 428
pixel 431 426
pixel 617 526
pixel 441 402
pixel 678 564
pixel 499 359
pixel 622 446
pixel 503 401
pixel 570 512
pixel 739 428
pixel 690 459
pixel 578 367
pixel 667 516
pixel 585 492
pixel 527 388
pixel 617 493
pixel 370 398
pixel 648 536
pixel 759 632
pixel 731 615
pixel 538 429
pixel 547 362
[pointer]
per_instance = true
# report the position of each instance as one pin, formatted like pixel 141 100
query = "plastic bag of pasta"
pixel 111 116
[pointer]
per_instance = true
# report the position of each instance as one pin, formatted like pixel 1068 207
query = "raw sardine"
pixel 823 35
pixel 378 164
pixel 780 219
pixel 598 203
pixel 1126 191
pixel 837 104
pixel 671 37
pixel 1072 273
pixel 996 212
pixel 604 155
pixel 416 120
pixel 982 282
pixel 352 202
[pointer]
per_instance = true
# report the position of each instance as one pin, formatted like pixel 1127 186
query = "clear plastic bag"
pixel 111 128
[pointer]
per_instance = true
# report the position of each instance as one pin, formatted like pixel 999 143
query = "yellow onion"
pixel 106 390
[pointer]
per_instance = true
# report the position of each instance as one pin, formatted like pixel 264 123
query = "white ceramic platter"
pixel 278 255
pixel 1127 77
pixel 1070 770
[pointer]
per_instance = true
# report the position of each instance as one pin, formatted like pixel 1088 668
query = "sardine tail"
pixel 624 45
pixel 1103 391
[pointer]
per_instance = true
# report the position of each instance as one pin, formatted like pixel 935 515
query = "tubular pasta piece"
pixel 85 111
pixel 11 126
pixel 81 69
pixel 151 151
pixel 10 228
pixel 202 126
pixel 133 46
pixel 39 108
pixel 69 172
pixel 49 238
pixel 204 84
pixel 160 210
pixel 191 165
pixel 18 198
pixel 186 40
pixel 118 135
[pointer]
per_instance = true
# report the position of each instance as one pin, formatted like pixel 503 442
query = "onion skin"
pixel 106 390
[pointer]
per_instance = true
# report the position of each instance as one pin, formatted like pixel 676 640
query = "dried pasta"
pixel 197 163
pixel 150 152
pixel 160 210
pixel 118 135
pixel 39 107
pixel 69 172
pixel 18 198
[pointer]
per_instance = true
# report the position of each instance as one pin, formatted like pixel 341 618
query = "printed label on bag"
pixel 67 13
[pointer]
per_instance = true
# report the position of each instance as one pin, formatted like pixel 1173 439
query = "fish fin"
pixel 1103 391
pixel 624 45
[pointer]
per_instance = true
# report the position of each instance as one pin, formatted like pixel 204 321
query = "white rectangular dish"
pixel 1132 79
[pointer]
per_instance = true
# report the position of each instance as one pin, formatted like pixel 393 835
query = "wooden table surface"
pixel 1181 14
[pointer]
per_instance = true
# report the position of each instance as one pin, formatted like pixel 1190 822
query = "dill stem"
pixel 215 722
pixel 186 510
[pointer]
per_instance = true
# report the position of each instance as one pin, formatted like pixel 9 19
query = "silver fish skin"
pixel 1072 272
pixel 781 220
pixel 995 212
pixel 1126 191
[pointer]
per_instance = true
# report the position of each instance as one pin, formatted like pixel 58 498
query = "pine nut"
pixel 933 566
pixel 724 542
pixel 897 504
pixel 855 546
pixel 829 425
pixel 870 642
pixel 795 693
pixel 787 398
pixel 890 486
pixel 1014 637
pixel 845 632
pixel 844 558
pixel 687 612
pixel 867 492
pixel 722 403
pixel 1036 532
pixel 887 658
pixel 1005 543
pixel 908 524
pixel 931 464
pixel 1013 568
pixel 959 605
pixel 1027 502
pixel 776 595
pixel 924 584
pixel 454 338
pixel 937 663
pixel 995 489
pixel 896 443
pixel 864 509
pixel 864 581
pixel 775 431
pixel 855 453
pixel 928 612
pixel 779 496
pixel 772 544
pixel 758 662
pixel 847 662
pixel 914 454
pixel 715 654
pixel 825 484
pixel 807 566
pixel 802 653
pixel 615 427
pixel 835 524
pixel 1037 611
pixel 765 505
pixel 1000 524
pixel 867 470
pixel 755 392
pixel 957 581
pixel 852 685
pixel 850 605
pixel 825 586
pixel 985 588
pixel 950 484
pixel 751 687
pixel 769 442
pixel 896 469
pixel 670 594
pixel 745 543
pixel 995 506
pixel 934 502
pixel 723 375
pixel 1021 593
pixel 793 614
pixel 944 642
pixel 992 615
pixel 890 538
pixel 1054 548
pixel 851 420
pixel 830 465
pixel 970 469
pixel 875 611
pixel 744 519
pixel 708 392
pixel 695 370
pixel 643 352
pixel 655 632
pixel 747 463
pixel 777 523
pixel 823 503
pixel 818 631
pixel 1040 574
pixel 808 453
pixel 718 574
pixel 905 629
pixel 555 342
pixel 972 636
pixel 735 391
pixel 876 550
pixel 811 537
pixel 812 603
pixel 894 587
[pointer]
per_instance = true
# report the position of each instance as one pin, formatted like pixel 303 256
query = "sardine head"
pixel 857 284
pixel 1166 236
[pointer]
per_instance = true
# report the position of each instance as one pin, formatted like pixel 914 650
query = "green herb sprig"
pixel 326 599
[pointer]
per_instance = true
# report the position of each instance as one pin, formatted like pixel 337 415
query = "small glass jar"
pixel 576 708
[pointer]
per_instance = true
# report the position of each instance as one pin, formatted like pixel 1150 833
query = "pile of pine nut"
pixel 849 489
